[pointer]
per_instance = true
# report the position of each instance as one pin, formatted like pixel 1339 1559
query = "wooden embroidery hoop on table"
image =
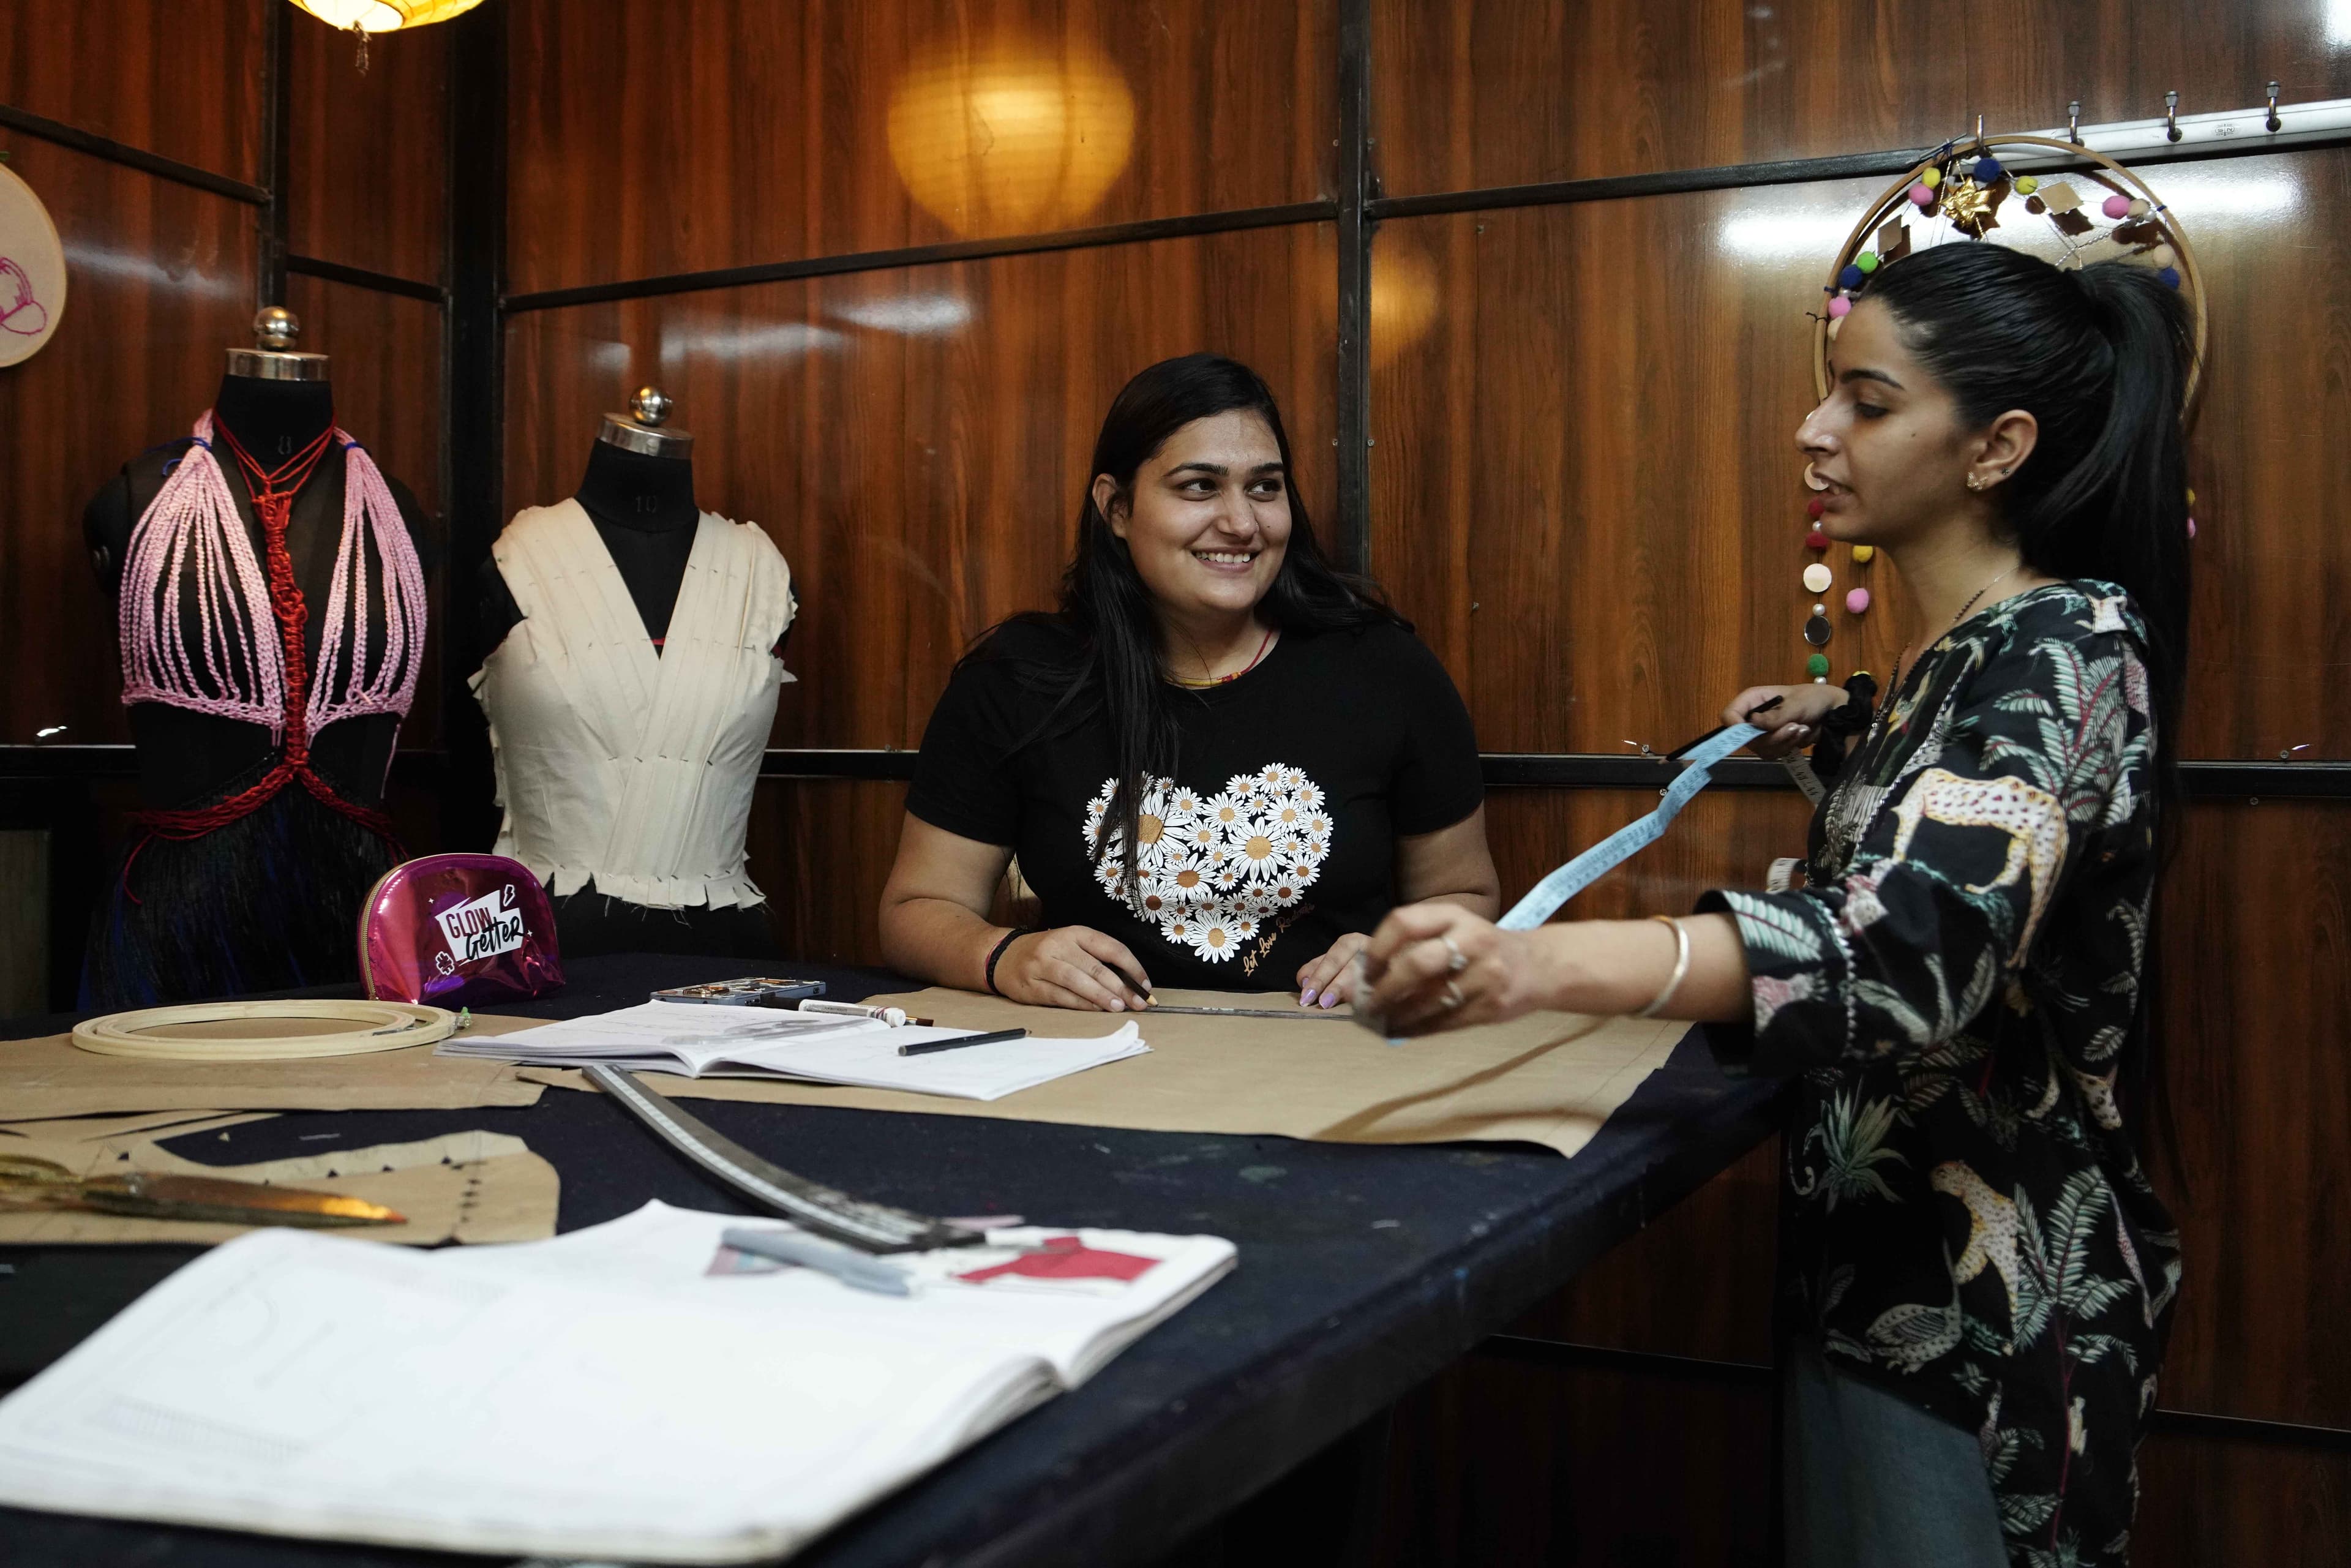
pixel 2101 169
pixel 394 1025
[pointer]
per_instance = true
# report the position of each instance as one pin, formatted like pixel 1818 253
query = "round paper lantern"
pixel 1011 134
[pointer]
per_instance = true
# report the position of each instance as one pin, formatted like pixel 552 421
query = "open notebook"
pixel 698 1041
pixel 600 1395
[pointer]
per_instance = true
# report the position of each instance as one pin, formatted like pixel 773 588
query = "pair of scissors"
pixel 28 1184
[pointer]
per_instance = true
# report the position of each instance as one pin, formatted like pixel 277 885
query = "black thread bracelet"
pixel 1010 936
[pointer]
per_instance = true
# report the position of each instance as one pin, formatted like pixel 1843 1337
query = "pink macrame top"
pixel 236 667
pixel 246 659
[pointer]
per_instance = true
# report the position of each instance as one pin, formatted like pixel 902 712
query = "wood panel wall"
pixel 367 161
pixel 179 78
pixel 164 275
pixel 698 134
pixel 160 279
pixel 1472 97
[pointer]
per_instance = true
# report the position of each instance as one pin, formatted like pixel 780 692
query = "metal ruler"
pixel 1246 1012
pixel 869 1226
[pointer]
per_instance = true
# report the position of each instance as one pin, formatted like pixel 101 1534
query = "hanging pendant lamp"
pixel 383 15
pixel 362 18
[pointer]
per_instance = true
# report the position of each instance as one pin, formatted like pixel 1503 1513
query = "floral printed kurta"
pixel 1956 984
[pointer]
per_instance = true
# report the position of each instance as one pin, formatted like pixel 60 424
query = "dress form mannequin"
pixel 641 500
pixel 638 492
pixel 274 401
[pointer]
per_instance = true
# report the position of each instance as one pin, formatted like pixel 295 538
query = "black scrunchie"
pixel 1841 725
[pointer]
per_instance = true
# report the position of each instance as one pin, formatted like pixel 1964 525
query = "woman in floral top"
pixel 1981 1273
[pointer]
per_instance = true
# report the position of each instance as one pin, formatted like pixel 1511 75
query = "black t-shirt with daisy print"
pixel 1275 833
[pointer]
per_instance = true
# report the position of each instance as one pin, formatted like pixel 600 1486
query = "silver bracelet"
pixel 1681 967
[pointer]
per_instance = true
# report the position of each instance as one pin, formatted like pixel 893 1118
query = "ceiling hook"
pixel 2273 123
pixel 2171 116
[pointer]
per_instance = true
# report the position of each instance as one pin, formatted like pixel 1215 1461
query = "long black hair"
pixel 2101 358
pixel 1118 673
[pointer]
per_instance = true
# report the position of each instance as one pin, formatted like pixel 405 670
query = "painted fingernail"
pixel 1116 1006
pixel 1306 1000
pixel 1330 998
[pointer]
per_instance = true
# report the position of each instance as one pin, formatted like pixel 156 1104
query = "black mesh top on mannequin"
pixel 185 759
pixel 644 511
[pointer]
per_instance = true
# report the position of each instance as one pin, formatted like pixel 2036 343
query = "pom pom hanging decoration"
pixel 1967 192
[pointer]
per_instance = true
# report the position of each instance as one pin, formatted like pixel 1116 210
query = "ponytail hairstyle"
pixel 2100 358
pixel 1118 673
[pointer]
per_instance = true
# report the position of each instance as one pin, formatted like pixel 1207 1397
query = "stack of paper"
pixel 701 1042
pixel 595 1395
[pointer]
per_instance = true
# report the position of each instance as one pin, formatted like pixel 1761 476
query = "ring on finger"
pixel 1455 960
pixel 1453 996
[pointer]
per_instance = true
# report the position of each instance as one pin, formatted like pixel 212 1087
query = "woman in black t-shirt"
pixel 1220 764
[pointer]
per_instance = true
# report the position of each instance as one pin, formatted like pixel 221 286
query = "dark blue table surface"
pixel 1363 1270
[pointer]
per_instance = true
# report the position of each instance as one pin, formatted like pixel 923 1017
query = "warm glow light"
pixel 1404 300
pixel 1406 295
pixel 1009 135
pixel 383 15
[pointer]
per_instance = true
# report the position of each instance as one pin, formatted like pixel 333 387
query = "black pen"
pixel 923 1048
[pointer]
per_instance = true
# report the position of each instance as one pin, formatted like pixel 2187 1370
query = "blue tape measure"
pixel 1543 900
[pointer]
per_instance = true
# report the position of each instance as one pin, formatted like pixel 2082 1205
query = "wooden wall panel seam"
pixel 1355 190
pixel 277 152
pixel 1295 213
pixel 146 162
pixel 1745 176
pixel 365 277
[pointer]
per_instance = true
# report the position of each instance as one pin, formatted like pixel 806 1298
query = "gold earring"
pixel 1975 481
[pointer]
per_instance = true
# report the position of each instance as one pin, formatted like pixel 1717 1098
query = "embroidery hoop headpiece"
pixel 2055 165
pixel 1963 206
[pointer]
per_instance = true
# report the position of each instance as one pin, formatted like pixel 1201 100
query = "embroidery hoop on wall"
pixel 2071 160
pixel 32 271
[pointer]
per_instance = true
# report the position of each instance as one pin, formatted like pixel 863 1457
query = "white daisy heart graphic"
pixel 1214 868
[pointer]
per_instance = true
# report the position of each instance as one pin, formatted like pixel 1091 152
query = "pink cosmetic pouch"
pixel 458 930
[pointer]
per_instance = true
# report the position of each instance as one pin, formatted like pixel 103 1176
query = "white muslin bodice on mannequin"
pixel 617 760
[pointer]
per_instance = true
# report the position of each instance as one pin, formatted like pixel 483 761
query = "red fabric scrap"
pixel 1067 1257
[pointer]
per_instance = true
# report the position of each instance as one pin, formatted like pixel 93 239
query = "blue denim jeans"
pixel 1872 1480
